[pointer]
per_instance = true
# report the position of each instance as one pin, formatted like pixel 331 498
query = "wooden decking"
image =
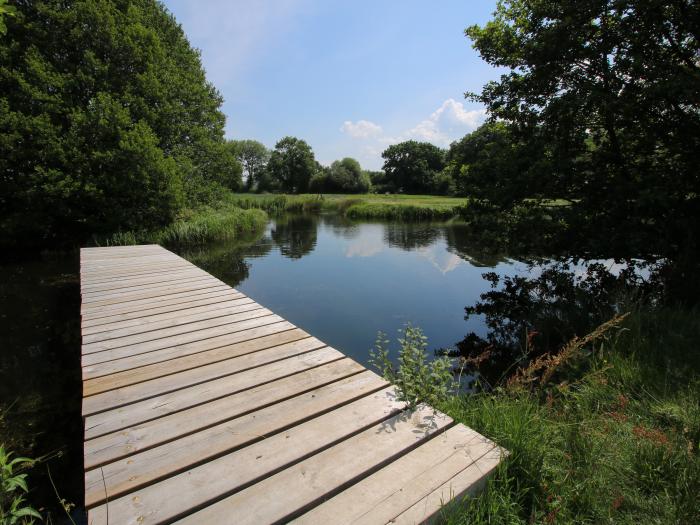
pixel 201 406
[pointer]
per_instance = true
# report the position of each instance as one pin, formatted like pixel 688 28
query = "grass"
pixel 366 206
pixel 617 442
pixel 194 228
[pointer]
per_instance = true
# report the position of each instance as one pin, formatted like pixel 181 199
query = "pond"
pixel 339 280
pixel 344 281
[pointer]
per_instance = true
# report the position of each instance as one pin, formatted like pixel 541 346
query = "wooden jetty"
pixel 202 406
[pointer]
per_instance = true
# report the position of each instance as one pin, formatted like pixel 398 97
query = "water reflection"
pixel 342 280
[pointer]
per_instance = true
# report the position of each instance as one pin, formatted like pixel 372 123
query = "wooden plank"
pixel 179 340
pixel 170 321
pixel 126 294
pixel 141 411
pixel 121 289
pixel 116 445
pixel 146 467
pixel 170 383
pixel 468 482
pixel 223 475
pixel 136 307
pixel 147 320
pixel 159 356
pixel 394 489
pixel 271 501
pixel 164 277
pixel 152 296
pixel 180 364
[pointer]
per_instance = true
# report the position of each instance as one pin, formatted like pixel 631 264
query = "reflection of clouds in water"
pixel 364 247
pixel 369 243
pixel 441 259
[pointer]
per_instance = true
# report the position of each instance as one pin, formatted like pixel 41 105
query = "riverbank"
pixel 614 439
pixel 224 222
pixel 365 206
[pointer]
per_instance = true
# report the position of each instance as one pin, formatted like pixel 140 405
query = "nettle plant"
pixel 417 379
pixel 13 508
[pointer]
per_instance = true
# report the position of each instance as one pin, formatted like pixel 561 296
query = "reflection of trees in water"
pixel 461 241
pixel 226 261
pixel 528 316
pixel 295 235
pixel 341 226
pixel 411 236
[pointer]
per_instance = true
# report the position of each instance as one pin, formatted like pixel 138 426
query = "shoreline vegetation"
pixel 607 429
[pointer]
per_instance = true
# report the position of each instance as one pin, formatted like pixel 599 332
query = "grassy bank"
pixel 614 439
pixel 224 222
pixel 369 206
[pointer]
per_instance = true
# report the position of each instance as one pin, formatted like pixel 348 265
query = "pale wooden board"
pixel 137 307
pixel 155 290
pixel 91 371
pixel 468 482
pixel 261 318
pixel 141 411
pixel 180 364
pixel 90 295
pixel 270 500
pixel 160 328
pixel 219 477
pixel 150 297
pixel 195 376
pixel 394 489
pixel 143 468
pixel 121 444
pixel 165 277
pixel 141 317
pixel 146 322
pixel 97 275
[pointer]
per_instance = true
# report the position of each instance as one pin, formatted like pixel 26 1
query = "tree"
pixel 411 166
pixel 107 121
pixel 346 176
pixel 612 85
pixel 253 156
pixel 292 165
pixel 492 164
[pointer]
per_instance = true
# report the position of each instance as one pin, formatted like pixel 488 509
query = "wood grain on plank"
pixel 143 468
pixel 110 447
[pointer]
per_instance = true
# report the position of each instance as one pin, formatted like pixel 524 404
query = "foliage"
pixel 616 441
pixel 5 11
pixel 416 379
pixel 253 156
pixel 106 121
pixel 13 508
pixel 411 166
pixel 290 168
pixel 611 87
pixel 205 225
pixel 529 317
pixel 492 164
pixel 343 176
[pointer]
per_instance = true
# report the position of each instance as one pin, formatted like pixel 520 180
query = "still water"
pixel 343 281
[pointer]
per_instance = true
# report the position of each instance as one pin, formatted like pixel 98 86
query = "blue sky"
pixel 349 77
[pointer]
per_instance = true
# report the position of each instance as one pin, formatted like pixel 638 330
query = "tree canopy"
pixel 343 176
pixel 253 156
pixel 411 166
pixel 612 88
pixel 107 121
pixel 291 166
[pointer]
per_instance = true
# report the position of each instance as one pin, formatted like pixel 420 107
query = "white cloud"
pixel 446 124
pixel 361 129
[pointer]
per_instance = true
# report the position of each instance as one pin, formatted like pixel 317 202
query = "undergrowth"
pixel 606 430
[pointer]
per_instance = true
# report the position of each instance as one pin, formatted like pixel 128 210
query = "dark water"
pixel 341 281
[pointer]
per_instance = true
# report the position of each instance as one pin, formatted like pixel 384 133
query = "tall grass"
pixel 368 206
pixel 614 441
pixel 200 227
